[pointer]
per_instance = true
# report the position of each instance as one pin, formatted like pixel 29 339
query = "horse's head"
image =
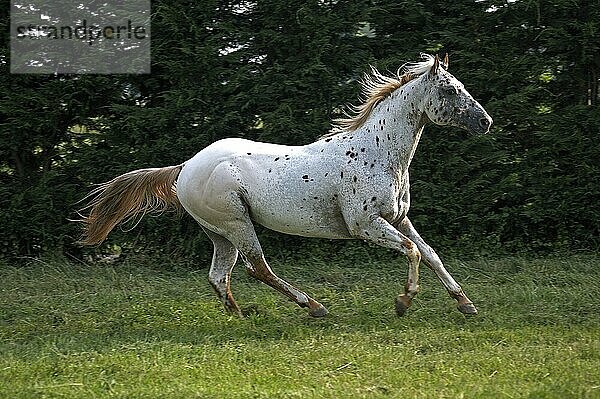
pixel 447 101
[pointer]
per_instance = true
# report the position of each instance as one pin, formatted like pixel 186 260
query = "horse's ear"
pixel 435 66
pixel 446 61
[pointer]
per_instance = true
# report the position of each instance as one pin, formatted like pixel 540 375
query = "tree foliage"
pixel 277 72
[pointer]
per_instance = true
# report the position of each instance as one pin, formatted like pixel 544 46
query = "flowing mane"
pixel 376 87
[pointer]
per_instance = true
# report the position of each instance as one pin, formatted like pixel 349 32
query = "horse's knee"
pixel 411 251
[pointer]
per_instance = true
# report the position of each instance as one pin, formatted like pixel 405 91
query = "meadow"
pixel 141 329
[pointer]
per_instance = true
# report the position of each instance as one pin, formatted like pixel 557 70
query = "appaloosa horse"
pixel 350 184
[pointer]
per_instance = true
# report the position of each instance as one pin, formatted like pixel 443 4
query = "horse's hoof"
pixel 320 311
pixel 402 303
pixel 467 308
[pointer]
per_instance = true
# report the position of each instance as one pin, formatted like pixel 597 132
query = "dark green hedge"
pixel 278 72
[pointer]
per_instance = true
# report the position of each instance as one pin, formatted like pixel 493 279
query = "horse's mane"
pixel 376 87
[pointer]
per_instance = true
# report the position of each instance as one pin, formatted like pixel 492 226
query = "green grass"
pixel 139 330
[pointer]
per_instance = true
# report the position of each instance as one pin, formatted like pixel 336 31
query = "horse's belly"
pixel 301 222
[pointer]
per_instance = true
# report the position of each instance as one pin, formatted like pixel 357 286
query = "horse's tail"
pixel 126 197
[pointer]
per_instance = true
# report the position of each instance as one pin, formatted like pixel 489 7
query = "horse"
pixel 352 183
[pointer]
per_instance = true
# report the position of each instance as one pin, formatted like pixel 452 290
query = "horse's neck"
pixel 398 123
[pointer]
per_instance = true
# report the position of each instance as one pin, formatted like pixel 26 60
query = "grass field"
pixel 139 330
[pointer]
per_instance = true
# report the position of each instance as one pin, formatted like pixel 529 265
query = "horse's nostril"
pixel 484 123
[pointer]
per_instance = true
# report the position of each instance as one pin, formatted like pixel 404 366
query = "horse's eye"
pixel 450 90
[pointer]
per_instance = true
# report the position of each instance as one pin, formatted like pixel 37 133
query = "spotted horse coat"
pixel 353 183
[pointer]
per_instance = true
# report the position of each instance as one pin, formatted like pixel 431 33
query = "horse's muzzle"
pixel 481 123
pixel 485 123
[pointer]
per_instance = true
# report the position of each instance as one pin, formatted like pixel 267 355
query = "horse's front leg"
pixel 432 260
pixel 379 231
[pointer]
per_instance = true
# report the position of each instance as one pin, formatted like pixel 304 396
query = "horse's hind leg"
pixel 220 208
pixel 432 260
pixel 257 267
pixel 244 238
pixel 224 257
